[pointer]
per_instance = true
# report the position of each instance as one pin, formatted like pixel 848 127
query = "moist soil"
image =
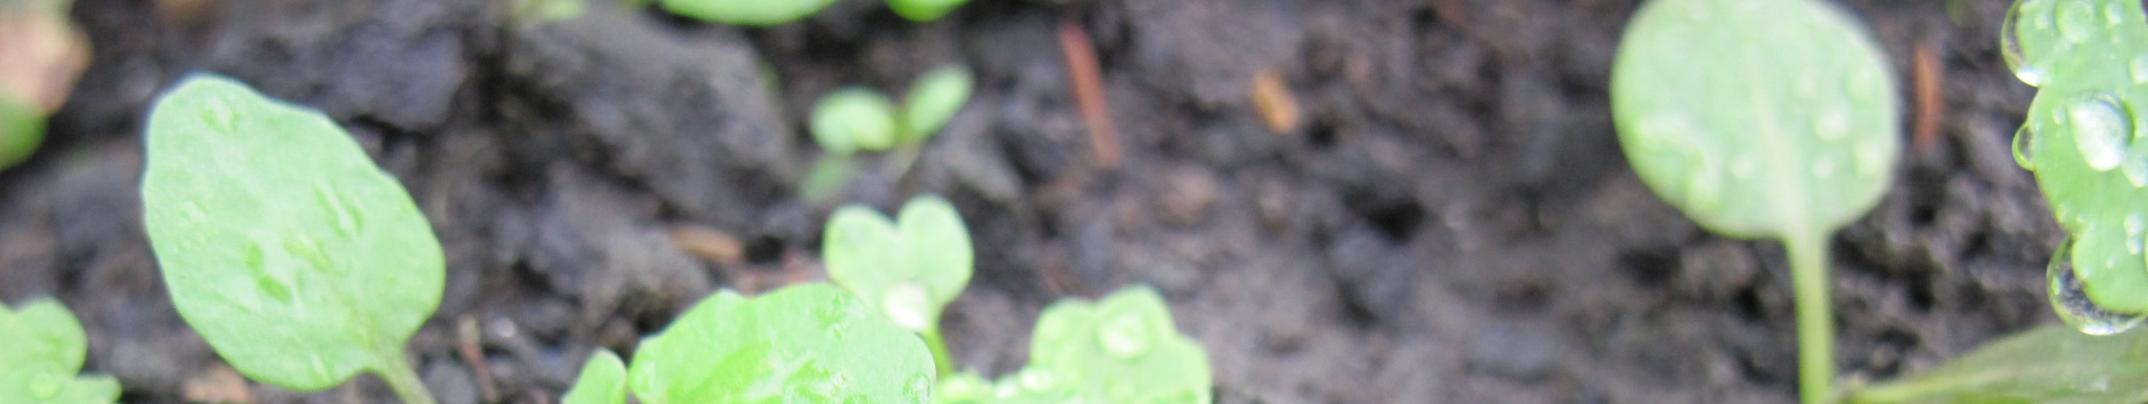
pixel 1450 220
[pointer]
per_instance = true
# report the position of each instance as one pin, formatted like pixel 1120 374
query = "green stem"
pixel 394 370
pixel 1815 315
pixel 941 361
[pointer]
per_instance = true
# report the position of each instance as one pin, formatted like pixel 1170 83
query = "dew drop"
pixel 346 217
pixel 919 389
pixel 2010 41
pixel 2138 68
pixel 2070 300
pixel 2077 21
pixel 1035 379
pixel 2133 233
pixel 907 304
pixel 1870 161
pixel 1824 167
pixel 1832 124
pixel 1704 187
pixel 2101 131
pixel 1125 336
pixel 270 265
pixel 219 114
pixel 2114 13
pixel 2023 140
pixel 2135 167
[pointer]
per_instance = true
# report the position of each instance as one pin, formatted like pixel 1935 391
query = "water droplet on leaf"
pixel 2138 68
pixel 2077 21
pixel 1125 336
pixel 907 304
pixel 219 114
pixel 2023 140
pixel 2101 131
pixel 2070 300
pixel 1832 124
pixel 346 217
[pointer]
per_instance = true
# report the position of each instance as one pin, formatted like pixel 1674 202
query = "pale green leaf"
pixel 933 99
pixel 1757 119
pixel 294 256
pixel 745 12
pixel 41 350
pixel 1123 349
pixel 805 343
pixel 2048 364
pixel 603 381
pixel 854 118
pixel 910 270
pixel 924 10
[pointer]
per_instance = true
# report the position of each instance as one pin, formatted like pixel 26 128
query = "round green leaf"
pixel 294 256
pixel 854 118
pixel 909 270
pixel 804 343
pixel 2083 134
pixel 934 99
pixel 924 10
pixel 603 381
pixel 1123 349
pixel 746 12
pixel 1756 118
pixel 42 347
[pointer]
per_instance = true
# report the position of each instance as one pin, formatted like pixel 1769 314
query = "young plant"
pixel 924 10
pixel 46 53
pixel 1761 119
pixel 909 269
pixel 1123 349
pixel 294 256
pixel 41 347
pixel 2082 139
pixel 856 118
pixel 805 343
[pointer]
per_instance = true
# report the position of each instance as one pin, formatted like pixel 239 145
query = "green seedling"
pixel 1123 349
pixel 42 347
pixel 2081 138
pixel 295 257
pixel 924 10
pixel 745 12
pixel 45 53
pixel 853 119
pixel 1761 119
pixel 909 268
pixel 805 343
pixel 538 11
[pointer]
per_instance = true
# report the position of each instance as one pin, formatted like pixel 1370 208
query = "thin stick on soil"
pixel 1089 92
pixel 1925 78
pixel 467 340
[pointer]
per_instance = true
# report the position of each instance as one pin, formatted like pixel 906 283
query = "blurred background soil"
pixel 1449 220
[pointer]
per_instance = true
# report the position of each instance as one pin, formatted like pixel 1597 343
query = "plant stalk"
pixel 1815 316
pixel 396 372
pixel 941 361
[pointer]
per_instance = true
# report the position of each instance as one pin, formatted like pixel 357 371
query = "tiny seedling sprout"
pixel 42 347
pixel 909 268
pixel 1761 119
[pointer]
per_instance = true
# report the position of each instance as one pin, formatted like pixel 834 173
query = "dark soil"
pixel 1453 222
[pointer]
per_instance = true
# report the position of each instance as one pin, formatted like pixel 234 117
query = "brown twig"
pixel 1089 92
pixel 466 344
pixel 1925 78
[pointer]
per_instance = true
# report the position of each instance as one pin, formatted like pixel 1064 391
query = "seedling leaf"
pixel 1123 349
pixel 933 99
pixel 2048 364
pixel 924 10
pixel 2082 136
pixel 910 272
pixel 745 12
pixel 22 128
pixel 852 119
pixel 603 381
pixel 294 256
pixel 810 342
pixel 1755 118
pixel 43 346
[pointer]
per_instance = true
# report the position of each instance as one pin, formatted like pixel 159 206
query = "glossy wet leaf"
pixel 805 343
pixel 745 12
pixel 603 381
pixel 1756 118
pixel 294 256
pixel 42 347
pixel 963 388
pixel 2082 135
pixel 924 10
pixel 1123 349
pixel 2048 364
pixel 909 269
pixel 932 100
pixel 854 118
